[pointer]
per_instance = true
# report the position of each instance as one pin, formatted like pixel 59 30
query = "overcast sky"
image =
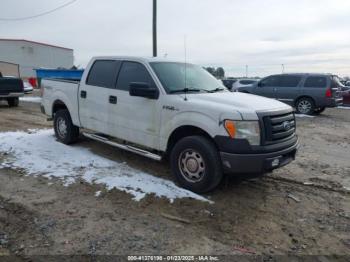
pixel 305 35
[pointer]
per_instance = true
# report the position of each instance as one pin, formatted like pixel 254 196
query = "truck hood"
pixel 246 104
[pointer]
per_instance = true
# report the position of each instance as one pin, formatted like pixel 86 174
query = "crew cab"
pixel 11 89
pixel 170 110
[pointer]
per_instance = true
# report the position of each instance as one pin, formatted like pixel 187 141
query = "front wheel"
pixel 65 131
pixel 305 106
pixel 196 164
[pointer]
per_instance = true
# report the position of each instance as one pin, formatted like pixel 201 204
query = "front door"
pixel 138 118
pixel 289 88
pixel 267 86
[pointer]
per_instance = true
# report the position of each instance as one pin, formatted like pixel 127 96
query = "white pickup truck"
pixel 163 109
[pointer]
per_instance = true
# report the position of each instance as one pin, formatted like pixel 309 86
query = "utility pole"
pixel 282 68
pixel 154 28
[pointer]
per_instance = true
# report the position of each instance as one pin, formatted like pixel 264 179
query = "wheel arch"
pixel 303 96
pixel 186 131
pixel 57 105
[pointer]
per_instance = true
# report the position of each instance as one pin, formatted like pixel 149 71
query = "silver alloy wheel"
pixel 62 127
pixel 191 165
pixel 304 106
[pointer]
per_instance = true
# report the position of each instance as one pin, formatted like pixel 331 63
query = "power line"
pixel 38 15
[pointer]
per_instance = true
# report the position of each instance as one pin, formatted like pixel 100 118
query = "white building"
pixel 29 55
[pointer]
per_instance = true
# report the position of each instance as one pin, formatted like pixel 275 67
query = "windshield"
pixel 181 77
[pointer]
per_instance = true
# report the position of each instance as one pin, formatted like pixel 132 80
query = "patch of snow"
pixel 39 153
pixel 30 99
pixel 344 107
pixel 301 116
pixel 98 193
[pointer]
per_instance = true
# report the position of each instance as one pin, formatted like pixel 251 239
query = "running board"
pixel 124 147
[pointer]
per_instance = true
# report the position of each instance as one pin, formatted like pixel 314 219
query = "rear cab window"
pixel 103 73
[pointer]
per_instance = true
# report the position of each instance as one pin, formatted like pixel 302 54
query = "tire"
pixel 65 131
pixel 319 111
pixel 203 171
pixel 13 102
pixel 305 106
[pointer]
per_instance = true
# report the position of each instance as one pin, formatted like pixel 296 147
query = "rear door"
pixel 315 86
pixel 289 88
pixel 138 118
pixel 94 100
pixel 266 87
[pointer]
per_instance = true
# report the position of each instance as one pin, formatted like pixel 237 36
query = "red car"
pixel 346 98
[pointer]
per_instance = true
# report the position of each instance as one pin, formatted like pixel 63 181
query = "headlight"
pixel 249 130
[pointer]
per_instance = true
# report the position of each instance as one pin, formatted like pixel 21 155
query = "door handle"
pixel 113 100
pixel 83 94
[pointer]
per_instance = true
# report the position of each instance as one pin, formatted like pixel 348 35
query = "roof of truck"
pixel 137 58
pixel 315 74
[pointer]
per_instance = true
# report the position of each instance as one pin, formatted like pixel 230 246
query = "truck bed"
pixel 56 90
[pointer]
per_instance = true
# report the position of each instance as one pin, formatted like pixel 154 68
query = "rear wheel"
pixel 13 101
pixel 65 131
pixel 319 110
pixel 196 164
pixel 305 106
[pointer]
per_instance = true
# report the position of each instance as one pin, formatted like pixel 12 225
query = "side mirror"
pixel 143 90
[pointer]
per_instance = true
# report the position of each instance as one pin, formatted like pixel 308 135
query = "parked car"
pixel 28 88
pixel 243 82
pixel 11 89
pixel 229 83
pixel 346 98
pixel 346 95
pixel 308 93
pixel 161 109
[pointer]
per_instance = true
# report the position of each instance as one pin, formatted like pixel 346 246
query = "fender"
pixel 187 118
pixel 73 110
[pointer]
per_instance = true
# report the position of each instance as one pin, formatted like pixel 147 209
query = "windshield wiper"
pixel 186 90
pixel 219 89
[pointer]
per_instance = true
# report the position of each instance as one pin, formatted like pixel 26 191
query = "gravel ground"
pixel 301 209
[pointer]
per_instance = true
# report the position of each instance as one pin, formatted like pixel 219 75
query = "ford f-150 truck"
pixel 163 109
pixel 11 89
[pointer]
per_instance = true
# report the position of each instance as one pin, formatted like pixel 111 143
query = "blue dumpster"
pixel 59 74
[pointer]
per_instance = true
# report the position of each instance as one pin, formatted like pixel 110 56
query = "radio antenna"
pixel 185 49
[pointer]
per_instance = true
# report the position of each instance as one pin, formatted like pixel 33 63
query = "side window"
pixel 247 82
pixel 103 73
pixel 290 81
pixel 273 81
pixel 316 81
pixel 132 72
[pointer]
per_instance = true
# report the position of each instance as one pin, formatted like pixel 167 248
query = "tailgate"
pixel 11 85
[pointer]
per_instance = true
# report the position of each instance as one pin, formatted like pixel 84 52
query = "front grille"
pixel 279 128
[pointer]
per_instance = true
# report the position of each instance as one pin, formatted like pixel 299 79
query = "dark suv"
pixel 308 93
